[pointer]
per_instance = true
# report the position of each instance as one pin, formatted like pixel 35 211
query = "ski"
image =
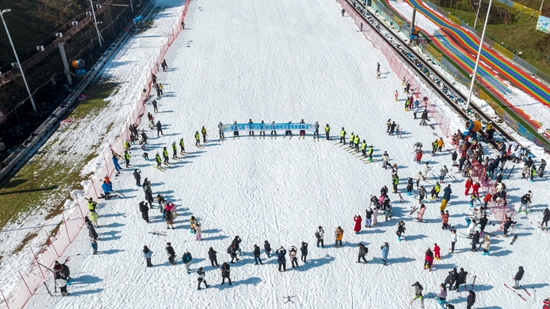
pixel 413 210
pixel 473 283
pixel 514 239
pixel 401 198
pixel 525 290
pixel 159 233
pixel 159 168
pixel 506 285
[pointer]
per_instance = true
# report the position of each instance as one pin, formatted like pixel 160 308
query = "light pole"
pixel 17 58
pixel 96 27
pixel 477 13
pixel 478 56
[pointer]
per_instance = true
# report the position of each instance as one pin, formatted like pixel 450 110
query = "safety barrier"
pixel 76 209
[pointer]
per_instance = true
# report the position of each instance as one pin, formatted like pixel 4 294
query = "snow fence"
pixel 76 209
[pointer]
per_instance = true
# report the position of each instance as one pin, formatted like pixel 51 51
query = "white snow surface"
pixel 518 98
pixel 283 61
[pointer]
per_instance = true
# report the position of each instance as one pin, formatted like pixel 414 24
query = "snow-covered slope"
pixel 285 61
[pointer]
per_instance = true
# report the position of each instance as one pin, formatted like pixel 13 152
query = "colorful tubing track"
pixel 459 37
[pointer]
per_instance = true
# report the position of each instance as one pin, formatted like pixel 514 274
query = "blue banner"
pixel 268 127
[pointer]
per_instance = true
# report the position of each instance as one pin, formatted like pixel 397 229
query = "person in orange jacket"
pixel 338 234
pixel 445 219
pixel 487 199
pixel 440 144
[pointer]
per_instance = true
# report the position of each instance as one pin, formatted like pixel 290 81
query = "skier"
pixel 442 294
pixel 147 253
pixel 542 166
pixel 316 132
pixel 471 300
pixel 364 148
pixel 421 194
pixel 92 205
pixel 460 279
pixel 385 250
pixel 343 12
pixel 525 201
pixel 418 293
pixel 159 128
pixel 446 197
pixel 424 118
pixel 420 217
pixel 281 258
pixel 165 156
pixel 369 152
pixel 93 218
pixel 357 227
pixel 267 248
pixel 256 253
pixel 468 185
pixel 518 277
pixel 400 230
pixel 395 182
pixel 127 157
pixel 220 131
pixel 319 235
pixel 388 125
pixel 137 176
pixel 385 160
pixel 443 173
pixel 437 252
pixel 453 240
pixel 445 220
pixel 212 255
pixel 546 303
pixel 115 161
pixel 545 219
pixel 362 251
pixel 144 209
pixel 203 131
pixel 428 259
pixel 198 231
pixel 226 274
pixel 292 256
pixel 155 109
pixel 486 244
pixel 61 282
pixel 507 225
pixel 338 234
pixel 303 250
pixel 91 230
pixel 186 259
pixel 327 131
pixel 174 151
pixel 192 222
pixel 171 253
pixel 164 65
pixel 197 139
pixel 343 136
pixel 200 272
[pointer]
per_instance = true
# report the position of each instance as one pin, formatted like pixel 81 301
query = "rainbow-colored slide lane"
pixel 461 46
pixel 462 38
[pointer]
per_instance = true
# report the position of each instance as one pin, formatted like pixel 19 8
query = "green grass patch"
pixel 43 184
pixel 24 242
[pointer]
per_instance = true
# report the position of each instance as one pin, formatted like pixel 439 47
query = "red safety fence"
pixel 73 217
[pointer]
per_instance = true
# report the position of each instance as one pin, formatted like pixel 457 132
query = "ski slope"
pixel 285 61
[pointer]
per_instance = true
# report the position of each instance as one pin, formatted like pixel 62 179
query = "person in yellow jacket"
pixel 127 145
pixel 343 136
pixel 91 205
pixel 364 148
pixel 371 150
pixel 440 144
pixel 351 139
pixel 327 131
pixel 93 216
pixel 338 234
pixel 197 139
pixel 203 131
pixel 356 142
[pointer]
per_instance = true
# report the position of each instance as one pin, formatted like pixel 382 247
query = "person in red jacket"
pixel 475 188
pixel 429 259
pixel 445 219
pixel 437 252
pixel 358 221
pixel 468 185
pixel 546 303
pixel 487 199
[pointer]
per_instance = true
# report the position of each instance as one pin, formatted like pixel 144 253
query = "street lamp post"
pixel 96 27
pixel 478 56
pixel 17 58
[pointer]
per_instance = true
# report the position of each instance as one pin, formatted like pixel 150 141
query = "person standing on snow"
pixel 144 209
pixel 197 139
pixel 182 146
pixel 453 240
pixel 137 176
pixel 174 151
pixel 147 253
pixel 518 277
pixel 212 256
pixel 338 235
pixel 362 252
pixel 203 132
pixel 201 274
pixel 545 219
pixel 281 258
pixel 319 235
pixel 437 252
pixel 418 293
pixel 256 253
pixel 127 157
pixel 187 258
pixel 385 250
pixel 115 161
pixel 171 253
pixel 159 128
pixel 267 248
pixel 232 253
pixel 343 136
pixel 385 160
pixel 292 256
pixel 471 300
pixel 486 244
pixel 460 279
pixel 443 173
pixel 357 219
pixel 400 229
pixel 421 211
pixel 198 231
pixel 226 274
pixel 428 259
pixel 221 128
pixel 327 131
pixel 165 156
pixel 368 217
pixel 303 250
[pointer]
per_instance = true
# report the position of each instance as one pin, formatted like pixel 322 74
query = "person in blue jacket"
pixel 106 190
pixel 115 162
pixel 385 249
